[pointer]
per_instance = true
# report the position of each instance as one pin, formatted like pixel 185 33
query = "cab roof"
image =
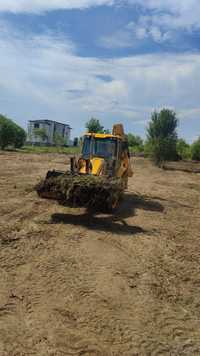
pixel 99 135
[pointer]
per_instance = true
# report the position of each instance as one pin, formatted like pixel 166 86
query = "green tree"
pixel 162 136
pixel 195 150
pixel 183 149
pixel 148 148
pixel 7 134
pixel 40 133
pixel 93 125
pixel 11 134
pixel 135 143
pixel 59 140
pixel 20 136
pixel 134 140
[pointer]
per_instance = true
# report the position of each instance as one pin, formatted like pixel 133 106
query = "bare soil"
pixel 184 166
pixel 76 284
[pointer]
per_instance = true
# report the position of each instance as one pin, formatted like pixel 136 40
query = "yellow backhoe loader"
pixel 98 178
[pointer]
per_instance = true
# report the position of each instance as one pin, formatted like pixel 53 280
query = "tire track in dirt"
pixel 123 285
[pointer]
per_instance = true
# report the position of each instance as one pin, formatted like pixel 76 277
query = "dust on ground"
pixel 76 284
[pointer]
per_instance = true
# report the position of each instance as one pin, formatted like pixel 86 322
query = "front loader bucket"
pixel 76 190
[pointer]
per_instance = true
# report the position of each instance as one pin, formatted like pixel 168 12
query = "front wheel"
pixel 114 203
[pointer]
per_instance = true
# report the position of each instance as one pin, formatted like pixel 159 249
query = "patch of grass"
pixel 50 149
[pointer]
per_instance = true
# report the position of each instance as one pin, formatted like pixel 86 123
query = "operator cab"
pixel 103 146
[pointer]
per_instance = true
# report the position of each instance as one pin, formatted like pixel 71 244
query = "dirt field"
pixel 73 284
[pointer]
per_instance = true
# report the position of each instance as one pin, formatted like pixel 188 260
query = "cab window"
pixel 106 147
pixel 86 147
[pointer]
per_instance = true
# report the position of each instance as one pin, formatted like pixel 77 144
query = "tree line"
pixel 11 134
pixel 162 142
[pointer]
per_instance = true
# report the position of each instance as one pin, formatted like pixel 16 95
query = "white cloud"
pixel 156 34
pixel 141 33
pixel 176 13
pixel 160 24
pixel 173 14
pixel 37 6
pixel 44 77
pixel 132 34
pixel 119 39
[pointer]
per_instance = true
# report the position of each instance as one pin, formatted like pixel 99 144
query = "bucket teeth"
pixel 101 193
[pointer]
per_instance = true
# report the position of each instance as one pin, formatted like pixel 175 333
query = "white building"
pixel 48 132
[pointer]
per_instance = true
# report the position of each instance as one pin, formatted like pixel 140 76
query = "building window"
pixel 36 126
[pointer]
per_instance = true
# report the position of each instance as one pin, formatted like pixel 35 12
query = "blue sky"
pixel 117 60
